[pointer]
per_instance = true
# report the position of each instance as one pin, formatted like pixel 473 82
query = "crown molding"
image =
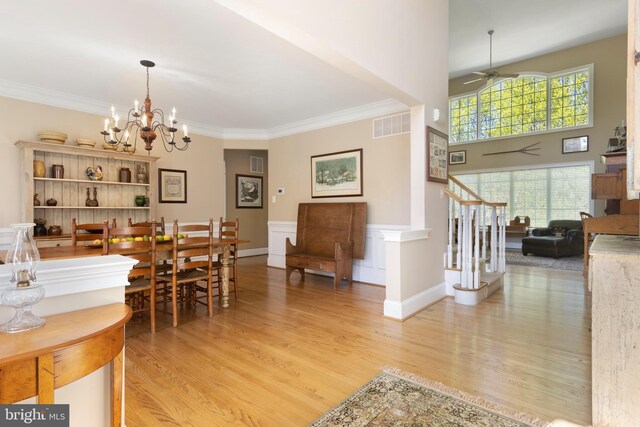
pixel 256 134
pixel 11 89
pixel 24 92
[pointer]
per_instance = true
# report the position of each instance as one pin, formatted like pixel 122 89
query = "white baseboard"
pixel 252 252
pixel 402 309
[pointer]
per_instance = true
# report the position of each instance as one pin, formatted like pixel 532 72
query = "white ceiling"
pixel 223 73
pixel 526 29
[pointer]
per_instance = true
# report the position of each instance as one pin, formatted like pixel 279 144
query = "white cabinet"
pixel 115 199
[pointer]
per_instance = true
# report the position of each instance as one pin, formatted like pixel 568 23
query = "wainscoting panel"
pixel 371 269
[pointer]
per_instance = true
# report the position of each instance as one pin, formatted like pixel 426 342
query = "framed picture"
pixel 577 144
pixel 458 157
pixel 437 160
pixel 172 186
pixel 248 192
pixel 337 174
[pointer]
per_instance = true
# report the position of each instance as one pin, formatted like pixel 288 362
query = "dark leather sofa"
pixel 561 238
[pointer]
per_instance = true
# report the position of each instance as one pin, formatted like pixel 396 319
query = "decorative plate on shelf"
pixel 84 142
pixel 109 147
pixel 52 137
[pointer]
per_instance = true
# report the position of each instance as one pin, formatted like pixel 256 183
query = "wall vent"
pixel 256 164
pixel 392 125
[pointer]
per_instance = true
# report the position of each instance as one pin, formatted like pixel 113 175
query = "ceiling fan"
pixel 490 74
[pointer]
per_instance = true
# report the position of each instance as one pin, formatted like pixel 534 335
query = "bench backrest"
pixel 321 225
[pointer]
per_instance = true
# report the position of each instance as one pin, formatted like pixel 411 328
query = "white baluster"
pixel 469 246
pixel 503 236
pixel 462 230
pixel 451 225
pixel 483 221
pixel 476 249
pixel 494 240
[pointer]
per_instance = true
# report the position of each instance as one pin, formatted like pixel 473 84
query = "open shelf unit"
pixel 116 199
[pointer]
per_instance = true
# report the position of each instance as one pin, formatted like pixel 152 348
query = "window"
pixel 542 194
pixel 464 119
pixel 523 105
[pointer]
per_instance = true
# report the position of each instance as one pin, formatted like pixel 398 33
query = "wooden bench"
pixel 328 237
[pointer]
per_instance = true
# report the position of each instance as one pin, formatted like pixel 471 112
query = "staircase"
pixel 474 262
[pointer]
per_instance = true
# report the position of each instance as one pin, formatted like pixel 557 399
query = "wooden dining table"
pixel 163 250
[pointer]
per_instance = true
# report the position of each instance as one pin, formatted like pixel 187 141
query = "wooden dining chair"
pixel 228 230
pixel 142 277
pixel 160 228
pixel 192 265
pixel 84 233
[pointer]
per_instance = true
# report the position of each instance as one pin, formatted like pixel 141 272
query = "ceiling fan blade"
pixel 480 73
pixel 473 81
pixel 508 75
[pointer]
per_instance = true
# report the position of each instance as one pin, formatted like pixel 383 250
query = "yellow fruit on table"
pixel 159 239
pixel 115 240
pixel 166 237
pixel 180 236
pixel 146 238
pixel 130 239
pixel 97 242
pixel 139 239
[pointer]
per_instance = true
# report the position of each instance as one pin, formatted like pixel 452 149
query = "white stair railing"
pixel 467 236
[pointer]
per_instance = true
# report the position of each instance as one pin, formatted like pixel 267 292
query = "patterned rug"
pixel 574 263
pixel 395 398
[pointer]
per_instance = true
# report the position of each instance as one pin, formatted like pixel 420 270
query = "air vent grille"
pixel 392 125
pixel 257 164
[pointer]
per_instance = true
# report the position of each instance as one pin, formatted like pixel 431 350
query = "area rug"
pixel 396 398
pixel 574 263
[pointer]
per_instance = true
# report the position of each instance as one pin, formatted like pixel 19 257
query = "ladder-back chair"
pixel 229 230
pixel 138 243
pixel 192 265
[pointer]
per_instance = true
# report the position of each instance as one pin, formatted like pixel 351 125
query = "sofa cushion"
pixel 544 241
pixel 565 224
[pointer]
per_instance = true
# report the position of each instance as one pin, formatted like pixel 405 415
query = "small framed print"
pixel 577 144
pixel 458 157
pixel 437 158
pixel 248 192
pixel 172 186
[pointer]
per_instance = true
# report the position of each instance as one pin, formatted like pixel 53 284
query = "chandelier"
pixel 146 124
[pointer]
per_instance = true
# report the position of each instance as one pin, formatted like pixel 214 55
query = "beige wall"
pixel 203 161
pixel 609 59
pixel 253 222
pixel 385 171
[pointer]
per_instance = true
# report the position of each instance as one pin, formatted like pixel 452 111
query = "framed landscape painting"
pixel 437 158
pixel 172 186
pixel 248 192
pixel 337 174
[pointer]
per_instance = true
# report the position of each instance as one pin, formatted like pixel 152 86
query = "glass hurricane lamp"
pixel 22 293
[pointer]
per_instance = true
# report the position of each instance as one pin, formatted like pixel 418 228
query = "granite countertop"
pixel 615 245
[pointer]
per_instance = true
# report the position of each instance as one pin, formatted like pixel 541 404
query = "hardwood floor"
pixel 284 354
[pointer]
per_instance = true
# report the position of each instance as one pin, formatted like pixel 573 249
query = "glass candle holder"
pixel 22 293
